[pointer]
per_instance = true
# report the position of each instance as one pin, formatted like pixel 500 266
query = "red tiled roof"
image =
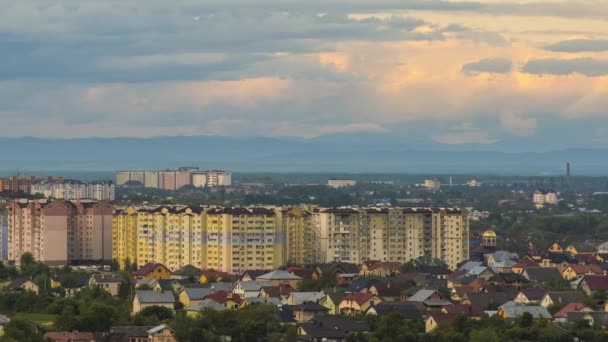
pixel 223 296
pixel 526 263
pixel 359 297
pixel 69 336
pixel 587 269
pixel 300 272
pixel 596 282
pixel 563 313
pixel 442 318
pixel 278 291
pixel 147 268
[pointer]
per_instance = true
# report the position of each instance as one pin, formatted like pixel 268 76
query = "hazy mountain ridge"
pixel 343 153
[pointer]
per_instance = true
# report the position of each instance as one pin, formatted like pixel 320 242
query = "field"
pixel 42 319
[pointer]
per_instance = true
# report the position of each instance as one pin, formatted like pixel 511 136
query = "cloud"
pixel 490 65
pixel 552 66
pixel 518 125
pixel 579 45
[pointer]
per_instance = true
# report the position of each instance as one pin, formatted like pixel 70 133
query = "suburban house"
pixel 592 283
pixel 437 319
pixel 109 282
pixel 513 310
pixel 377 268
pixel 190 296
pixel 409 310
pixel 152 271
pixel 248 289
pixel 23 284
pixel 530 296
pixel 144 299
pixel 574 271
pixel 280 277
pixel 304 313
pixel 161 333
pixel 561 298
pixel 523 263
pixel 542 274
pixel 357 303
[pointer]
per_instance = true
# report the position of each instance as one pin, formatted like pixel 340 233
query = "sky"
pixel 451 72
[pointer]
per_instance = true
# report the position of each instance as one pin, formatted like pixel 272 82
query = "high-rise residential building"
pixel 341 183
pixel 175 179
pixel 16 184
pixel 225 239
pixel 74 189
pixel 542 197
pixel 60 232
pixel 3 235
pixel 388 234
pixel 299 236
pixel 241 239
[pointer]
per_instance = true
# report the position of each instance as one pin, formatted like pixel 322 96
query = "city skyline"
pixel 448 72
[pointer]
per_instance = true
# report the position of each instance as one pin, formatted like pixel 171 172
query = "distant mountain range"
pixel 349 153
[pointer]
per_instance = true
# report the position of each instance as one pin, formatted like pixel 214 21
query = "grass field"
pixel 43 319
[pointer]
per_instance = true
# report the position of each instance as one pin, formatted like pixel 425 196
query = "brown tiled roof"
pixel 146 269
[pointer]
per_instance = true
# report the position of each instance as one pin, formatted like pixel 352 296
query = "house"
pixel 187 272
pixel 557 247
pixel 109 282
pixel 346 278
pixel 304 313
pixel 296 298
pixel 280 292
pixel 71 282
pixel 227 299
pixel 280 277
pixel 330 329
pixel 523 263
pixel 357 302
pixel 153 271
pixel 592 283
pixel 481 272
pixel 562 314
pixel 408 310
pixel 575 271
pixel 144 299
pixel 513 310
pixel 561 298
pixel 599 318
pixel 252 275
pixel 542 274
pixel 255 301
pixel 581 248
pixel 161 333
pixel 558 259
pixel 175 285
pixel 247 289
pixel 69 336
pixel 467 310
pixel 23 284
pixel 331 302
pixel 334 268
pixel 389 291
pixel 215 276
pixel 500 256
pixel 301 272
pixel 487 301
pixel 378 268
pixel 437 319
pixel 424 295
pixel 469 265
pixel 530 296
pixel 192 296
pixel 510 279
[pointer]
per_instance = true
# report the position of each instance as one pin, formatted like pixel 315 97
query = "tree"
pixel 22 330
pixel 484 335
pixel 407 267
pixel 160 312
pixel 27 259
pixel 114 265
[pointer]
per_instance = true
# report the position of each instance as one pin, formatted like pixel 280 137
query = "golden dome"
pixel 489 234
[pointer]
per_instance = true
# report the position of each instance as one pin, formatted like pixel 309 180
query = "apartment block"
pixel 60 232
pixel 16 184
pixel 356 235
pixel 3 235
pixel 300 237
pixel 175 179
pixel 241 239
pixel 341 183
pixel 74 189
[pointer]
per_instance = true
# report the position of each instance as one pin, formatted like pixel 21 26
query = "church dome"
pixel 489 234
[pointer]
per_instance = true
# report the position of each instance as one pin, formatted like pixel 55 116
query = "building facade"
pixel 73 189
pixel 3 235
pixel 60 232
pixel 175 179
pixel 341 183
pixel 16 184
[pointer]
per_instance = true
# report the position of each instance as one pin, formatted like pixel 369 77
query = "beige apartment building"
pixel 389 234
pixel 300 238
pixel 225 239
pixel 60 232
